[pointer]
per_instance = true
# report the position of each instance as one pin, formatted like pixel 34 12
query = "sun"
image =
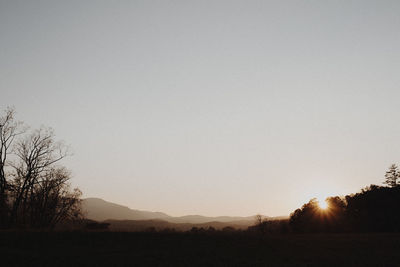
pixel 323 205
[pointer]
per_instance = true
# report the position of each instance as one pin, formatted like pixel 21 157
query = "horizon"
pixel 160 211
pixel 218 108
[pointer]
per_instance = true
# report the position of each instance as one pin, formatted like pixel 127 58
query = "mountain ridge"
pixel 102 210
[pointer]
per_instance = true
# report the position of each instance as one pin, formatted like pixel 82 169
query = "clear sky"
pixel 210 107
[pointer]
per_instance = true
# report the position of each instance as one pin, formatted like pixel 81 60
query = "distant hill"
pixel 101 210
pixel 204 219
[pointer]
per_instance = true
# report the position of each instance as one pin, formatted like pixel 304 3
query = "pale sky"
pixel 210 107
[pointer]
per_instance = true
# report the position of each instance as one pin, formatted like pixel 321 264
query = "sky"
pixel 209 107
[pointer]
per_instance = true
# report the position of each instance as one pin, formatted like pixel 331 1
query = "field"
pixel 201 249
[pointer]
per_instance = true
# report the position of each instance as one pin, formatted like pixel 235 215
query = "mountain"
pixel 101 210
pixel 204 219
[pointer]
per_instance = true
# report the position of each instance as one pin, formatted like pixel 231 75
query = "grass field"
pixel 187 249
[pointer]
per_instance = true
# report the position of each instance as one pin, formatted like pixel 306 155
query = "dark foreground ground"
pixel 177 249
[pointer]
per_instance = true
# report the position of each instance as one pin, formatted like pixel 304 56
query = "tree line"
pixel 34 188
pixel 374 209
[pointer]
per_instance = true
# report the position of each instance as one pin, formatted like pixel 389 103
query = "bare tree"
pixel 34 190
pixel 37 155
pixel 260 223
pixel 52 200
pixel 258 219
pixel 9 130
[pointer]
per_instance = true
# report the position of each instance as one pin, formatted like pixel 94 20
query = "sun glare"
pixel 322 204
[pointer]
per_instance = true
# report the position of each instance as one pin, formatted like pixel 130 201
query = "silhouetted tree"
pixel 211 229
pixel 265 226
pixel 53 201
pixel 334 216
pixel 392 176
pixel 228 229
pixel 259 223
pixel 375 209
pixel 9 130
pixel 311 218
pixel 40 190
pixel 306 218
pixel 34 191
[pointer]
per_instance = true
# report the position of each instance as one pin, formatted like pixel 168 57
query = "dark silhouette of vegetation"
pixel 392 176
pixel 374 209
pixel 96 248
pixel 97 226
pixel 9 130
pixel 311 218
pixel 34 189
pixel 266 226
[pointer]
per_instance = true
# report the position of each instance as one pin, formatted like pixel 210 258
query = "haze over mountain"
pixel 101 210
